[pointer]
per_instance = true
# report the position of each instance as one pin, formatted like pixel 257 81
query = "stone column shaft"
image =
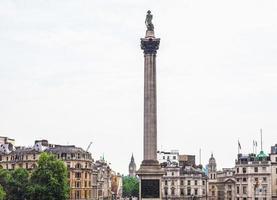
pixel 150 108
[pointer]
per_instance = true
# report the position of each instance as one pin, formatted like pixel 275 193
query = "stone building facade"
pixel 87 179
pixel 273 158
pixel 253 177
pixel 182 179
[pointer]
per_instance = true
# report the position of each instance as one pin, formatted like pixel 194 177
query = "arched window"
pixel 78 166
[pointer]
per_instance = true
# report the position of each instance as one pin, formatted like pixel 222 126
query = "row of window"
pixel 18 157
pixel 183 192
pixel 13 166
pixel 77 194
pixel 182 182
pixel 79 175
pixel 244 179
pixel 256 169
pixel 256 190
pixel 78 184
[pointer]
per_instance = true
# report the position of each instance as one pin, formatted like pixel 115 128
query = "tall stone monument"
pixel 150 171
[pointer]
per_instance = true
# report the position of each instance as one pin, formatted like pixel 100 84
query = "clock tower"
pixel 132 167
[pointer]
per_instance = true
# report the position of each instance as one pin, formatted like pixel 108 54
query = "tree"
pixel 130 186
pixel 17 184
pixel 49 179
pixel 4 176
pixel 2 193
pixel 14 183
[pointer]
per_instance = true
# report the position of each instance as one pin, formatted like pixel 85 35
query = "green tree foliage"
pixel 2 193
pixel 17 183
pixel 49 179
pixel 4 176
pixel 14 183
pixel 130 186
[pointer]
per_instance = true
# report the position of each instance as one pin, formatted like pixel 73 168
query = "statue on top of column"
pixel 148 21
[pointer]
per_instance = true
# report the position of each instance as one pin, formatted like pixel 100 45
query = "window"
pixel 244 170
pixel 182 182
pixel 195 182
pixel 203 182
pixel 77 184
pixel 276 170
pixel 77 194
pixel 195 191
pixel 244 179
pixel 165 191
pixel 188 182
pixel 237 170
pixel 244 190
pixel 188 191
pixel 172 182
pixel 237 189
pixel 26 165
pixel 172 173
pixel 182 192
pixel 78 175
pixel 174 157
pixel 264 179
pixel 163 157
pixel 165 182
pixel 255 169
pixel 264 168
pixel 275 159
pixel 172 191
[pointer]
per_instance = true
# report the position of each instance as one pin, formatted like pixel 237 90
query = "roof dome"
pixel 261 155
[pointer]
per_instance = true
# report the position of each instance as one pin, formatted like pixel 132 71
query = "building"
pixel 253 176
pixel 104 180
pixel 6 144
pixel 273 159
pixel 132 167
pixel 186 181
pixel 87 179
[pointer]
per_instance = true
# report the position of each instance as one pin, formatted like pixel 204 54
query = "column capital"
pixel 150 45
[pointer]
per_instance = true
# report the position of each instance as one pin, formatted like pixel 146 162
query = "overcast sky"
pixel 71 71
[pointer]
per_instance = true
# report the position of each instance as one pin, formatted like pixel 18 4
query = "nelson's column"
pixel 150 171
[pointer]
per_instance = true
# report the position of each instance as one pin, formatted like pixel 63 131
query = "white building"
pixel 253 177
pixel 168 157
pixel 273 158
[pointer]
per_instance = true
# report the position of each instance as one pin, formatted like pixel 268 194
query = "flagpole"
pixel 253 147
pixel 261 139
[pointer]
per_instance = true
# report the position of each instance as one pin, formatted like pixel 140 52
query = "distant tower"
pixel 132 167
pixel 212 168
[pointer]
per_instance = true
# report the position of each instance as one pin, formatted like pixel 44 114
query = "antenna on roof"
pixel 200 156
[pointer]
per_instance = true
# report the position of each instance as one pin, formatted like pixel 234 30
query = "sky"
pixel 72 72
